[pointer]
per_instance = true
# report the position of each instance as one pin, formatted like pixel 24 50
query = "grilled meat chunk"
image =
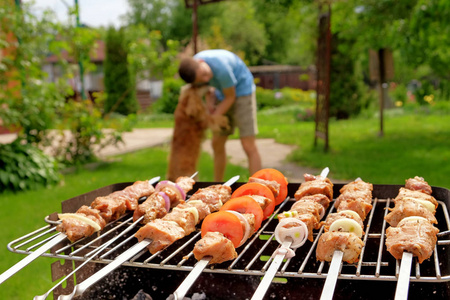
pixel 418 184
pixel 186 218
pixel 162 233
pixel 152 208
pixel 271 184
pixel 346 242
pixel 362 208
pixel 407 207
pixel 404 192
pixel 76 229
pixel 111 208
pixel 414 235
pixel 214 196
pixel 216 245
pixel 315 185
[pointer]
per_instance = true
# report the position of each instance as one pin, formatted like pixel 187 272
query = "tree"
pixel 119 87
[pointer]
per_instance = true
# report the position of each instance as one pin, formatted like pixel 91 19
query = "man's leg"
pixel 220 156
pixel 254 158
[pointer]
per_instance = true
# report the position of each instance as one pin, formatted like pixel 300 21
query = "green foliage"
pixel 169 99
pixel 347 92
pixel 23 166
pixel 268 99
pixel 149 56
pixel 119 87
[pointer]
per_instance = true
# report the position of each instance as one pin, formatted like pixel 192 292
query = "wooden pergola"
pixel 194 4
pixel 323 64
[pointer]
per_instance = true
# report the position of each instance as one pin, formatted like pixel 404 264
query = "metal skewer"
pixel 88 259
pixel 401 292
pixel 278 259
pixel 41 250
pixel 191 278
pixel 94 253
pixel 118 261
pixel 333 273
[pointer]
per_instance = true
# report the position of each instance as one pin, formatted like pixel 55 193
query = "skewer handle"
pixel 401 292
pixel 333 272
pixel 191 278
pixel 270 274
pixel 80 288
pixel 24 262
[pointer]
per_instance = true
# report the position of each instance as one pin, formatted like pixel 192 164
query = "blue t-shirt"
pixel 228 70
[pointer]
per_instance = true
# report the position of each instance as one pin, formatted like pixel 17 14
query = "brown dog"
pixel 191 122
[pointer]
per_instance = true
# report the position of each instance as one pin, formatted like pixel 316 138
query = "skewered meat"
pixel 111 208
pixel 313 197
pixel 214 196
pixel 404 192
pixel 314 185
pixel 76 229
pixel 344 214
pixel 273 185
pixel 418 184
pixel 216 245
pixel 155 206
pixel 152 208
pixel 362 208
pixel 163 233
pixel 356 190
pixel 346 242
pixel 343 230
pixel 186 218
pixel 264 202
pixel 413 234
pixel 319 198
pixel 407 207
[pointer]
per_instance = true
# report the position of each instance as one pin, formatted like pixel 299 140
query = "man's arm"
pixel 224 106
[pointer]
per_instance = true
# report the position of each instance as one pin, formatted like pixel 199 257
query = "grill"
pixel 301 277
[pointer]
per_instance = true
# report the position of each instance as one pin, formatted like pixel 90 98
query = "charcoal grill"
pixel 301 277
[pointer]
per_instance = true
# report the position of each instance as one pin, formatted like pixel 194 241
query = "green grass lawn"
pixel 413 144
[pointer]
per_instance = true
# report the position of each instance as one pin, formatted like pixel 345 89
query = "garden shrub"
pixel 266 98
pixel 119 84
pixel 169 99
pixel 23 166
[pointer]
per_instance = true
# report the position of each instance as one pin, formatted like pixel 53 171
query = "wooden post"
pixel 195 24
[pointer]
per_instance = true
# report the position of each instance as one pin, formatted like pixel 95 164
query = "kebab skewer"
pixel 296 225
pixel 163 232
pixel 155 206
pixel 412 232
pixel 88 221
pixel 236 222
pixel 341 240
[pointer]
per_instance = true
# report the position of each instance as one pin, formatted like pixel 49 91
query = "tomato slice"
pixel 255 188
pixel 273 174
pixel 227 224
pixel 246 205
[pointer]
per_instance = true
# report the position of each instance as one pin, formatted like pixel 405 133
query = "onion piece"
pixel 81 218
pixel 298 233
pixel 246 225
pixel 166 200
pixel 322 212
pixel 192 210
pixel 427 204
pixel 173 186
pixel 346 225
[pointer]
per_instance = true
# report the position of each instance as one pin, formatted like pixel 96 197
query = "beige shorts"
pixel 243 116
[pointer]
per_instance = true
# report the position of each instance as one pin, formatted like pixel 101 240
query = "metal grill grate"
pixel 376 264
